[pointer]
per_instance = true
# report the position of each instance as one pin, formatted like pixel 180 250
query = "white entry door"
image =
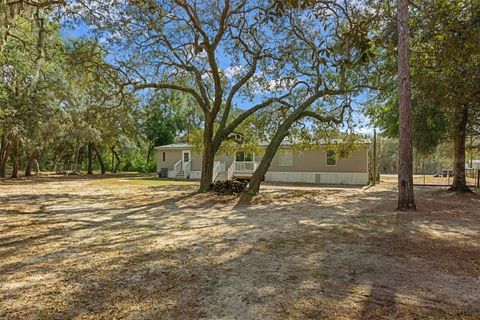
pixel 186 157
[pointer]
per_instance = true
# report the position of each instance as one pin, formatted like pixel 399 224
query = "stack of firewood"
pixel 68 173
pixel 229 186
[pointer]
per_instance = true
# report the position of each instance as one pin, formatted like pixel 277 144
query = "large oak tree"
pixel 229 55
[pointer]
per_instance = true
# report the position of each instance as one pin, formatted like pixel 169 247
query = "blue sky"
pixel 79 31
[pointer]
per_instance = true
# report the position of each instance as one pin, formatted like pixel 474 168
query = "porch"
pixel 244 169
pixel 237 169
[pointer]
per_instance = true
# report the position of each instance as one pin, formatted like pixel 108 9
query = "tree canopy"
pixel 155 72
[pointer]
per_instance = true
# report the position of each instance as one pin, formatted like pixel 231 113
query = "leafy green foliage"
pixel 430 126
pixel 166 117
pixel 77 100
pixel 445 65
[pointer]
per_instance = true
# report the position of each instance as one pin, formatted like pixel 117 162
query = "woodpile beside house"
pixel 229 186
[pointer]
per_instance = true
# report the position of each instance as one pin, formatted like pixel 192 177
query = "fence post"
pixel 478 178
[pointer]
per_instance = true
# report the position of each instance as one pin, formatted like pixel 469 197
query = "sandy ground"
pixel 140 248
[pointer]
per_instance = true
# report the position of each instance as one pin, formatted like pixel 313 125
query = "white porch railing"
pixel 231 171
pixel 216 170
pixel 187 169
pixel 177 166
pixel 245 166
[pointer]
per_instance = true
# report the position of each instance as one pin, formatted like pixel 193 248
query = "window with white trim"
pixel 241 156
pixel 285 158
pixel 163 156
pixel 331 160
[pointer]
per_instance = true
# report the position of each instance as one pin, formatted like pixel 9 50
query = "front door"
pixel 186 157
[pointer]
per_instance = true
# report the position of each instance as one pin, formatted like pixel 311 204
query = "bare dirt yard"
pixel 136 247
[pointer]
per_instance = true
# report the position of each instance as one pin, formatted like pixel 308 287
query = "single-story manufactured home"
pixel 472 164
pixel 318 165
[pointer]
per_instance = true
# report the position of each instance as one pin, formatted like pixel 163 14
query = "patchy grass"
pixel 136 247
pixel 145 181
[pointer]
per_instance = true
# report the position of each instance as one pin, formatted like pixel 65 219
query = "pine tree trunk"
pixel 15 159
pixel 406 200
pixel 100 160
pixel 459 136
pixel 90 158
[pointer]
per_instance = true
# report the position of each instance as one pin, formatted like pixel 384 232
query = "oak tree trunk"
pixel 90 158
pixel 113 159
pixel 149 153
pixel 3 168
pixel 28 167
pixel 270 151
pixel 100 160
pixel 37 167
pixel 459 136
pixel 56 159
pixel 67 163
pixel 2 147
pixel 406 200
pixel 4 153
pixel 208 159
pixel 15 157
pixel 77 155
pixel 117 164
pixel 31 161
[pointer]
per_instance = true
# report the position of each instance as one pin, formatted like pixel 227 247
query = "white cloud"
pixel 233 71
pixel 272 85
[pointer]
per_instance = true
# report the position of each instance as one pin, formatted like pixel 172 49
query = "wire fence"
pixel 441 179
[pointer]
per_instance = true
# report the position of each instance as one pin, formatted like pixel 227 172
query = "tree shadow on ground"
pixel 182 255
